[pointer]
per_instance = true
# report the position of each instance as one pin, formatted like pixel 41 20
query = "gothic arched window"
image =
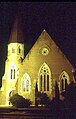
pixel 26 83
pixel 44 78
pixel 63 81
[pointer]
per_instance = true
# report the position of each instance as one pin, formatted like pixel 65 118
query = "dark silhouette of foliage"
pixel 19 102
pixel 36 91
pixel 42 98
pixel 56 91
pixel 70 95
pixel 56 104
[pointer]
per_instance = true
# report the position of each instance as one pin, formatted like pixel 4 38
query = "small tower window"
pixel 13 50
pixel 13 73
pixel 19 50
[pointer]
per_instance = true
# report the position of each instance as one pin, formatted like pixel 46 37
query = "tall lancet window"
pixel 13 50
pixel 44 78
pixel 63 81
pixel 14 74
pixel 19 49
pixel 47 82
pixel 25 83
pixel 41 82
pixel 11 74
pixel 12 71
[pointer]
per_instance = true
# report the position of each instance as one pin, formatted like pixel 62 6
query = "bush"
pixel 42 98
pixel 19 102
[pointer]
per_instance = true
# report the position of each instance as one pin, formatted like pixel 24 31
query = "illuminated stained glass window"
pixel 25 83
pixel 44 78
pixel 64 81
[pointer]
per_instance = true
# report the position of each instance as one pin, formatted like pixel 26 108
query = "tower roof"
pixel 16 35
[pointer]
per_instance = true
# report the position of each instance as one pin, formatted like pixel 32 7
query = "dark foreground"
pixel 36 113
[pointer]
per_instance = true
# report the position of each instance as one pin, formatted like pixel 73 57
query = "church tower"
pixel 15 56
pixel 16 44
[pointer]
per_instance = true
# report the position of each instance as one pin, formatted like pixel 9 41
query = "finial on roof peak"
pixel 44 30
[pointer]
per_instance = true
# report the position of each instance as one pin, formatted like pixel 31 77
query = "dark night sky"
pixel 58 18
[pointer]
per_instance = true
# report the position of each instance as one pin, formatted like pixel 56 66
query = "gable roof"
pixel 45 40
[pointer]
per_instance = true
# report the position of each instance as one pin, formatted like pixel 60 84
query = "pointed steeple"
pixel 16 33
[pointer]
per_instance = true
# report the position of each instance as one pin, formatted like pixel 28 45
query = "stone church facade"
pixel 44 64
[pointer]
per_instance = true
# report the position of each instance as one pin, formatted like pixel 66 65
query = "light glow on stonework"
pixel 43 65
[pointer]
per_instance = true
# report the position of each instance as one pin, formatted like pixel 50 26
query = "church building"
pixel 44 64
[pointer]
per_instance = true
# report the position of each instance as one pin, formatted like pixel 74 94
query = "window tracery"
pixel 64 81
pixel 26 83
pixel 44 78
